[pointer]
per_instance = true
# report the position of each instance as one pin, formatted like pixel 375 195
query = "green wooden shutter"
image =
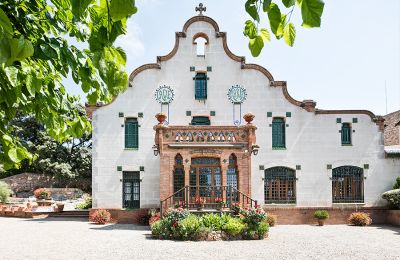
pixel 201 120
pixel 201 86
pixel 346 134
pixel 278 133
pixel 131 133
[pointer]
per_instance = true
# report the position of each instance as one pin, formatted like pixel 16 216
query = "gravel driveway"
pixel 66 239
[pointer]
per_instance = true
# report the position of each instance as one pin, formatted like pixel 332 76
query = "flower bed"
pixel 179 224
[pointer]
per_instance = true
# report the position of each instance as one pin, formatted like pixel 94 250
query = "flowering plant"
pixel 236 206
pixel 100 216
pixel 219 200
pixel 41 193
pixel 199 200
pixel 180 204
pixel 253 216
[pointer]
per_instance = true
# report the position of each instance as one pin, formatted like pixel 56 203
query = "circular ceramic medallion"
pixel 237 94
pixel 164 94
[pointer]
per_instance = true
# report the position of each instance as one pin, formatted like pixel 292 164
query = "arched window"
pixel 347 184
pixel 179 177
pixel 232 174
pixel 278 133
pixel 200 40
pixel 280 185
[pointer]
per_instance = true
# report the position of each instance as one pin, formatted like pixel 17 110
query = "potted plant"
pixel 248 117
pixel 200 203
pixel 60 207
pixel 220 203
pixel 236 208
pixel 321 215
pixel 161 117
pixel 42 194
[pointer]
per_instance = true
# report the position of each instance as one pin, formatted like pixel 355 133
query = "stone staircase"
pixel 70 214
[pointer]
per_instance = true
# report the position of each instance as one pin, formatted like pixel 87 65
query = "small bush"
pixel 214 221
pixel 5 192
pixel 360 219
pixel 87 204
pixel 188 228
pixel 253 216
pixel 100 216
pixel 397 183
pixel 41 194
pixel 321 214
pixel 271 220
pixel 233 227
pixel 393 197
pixel 175 215
pixel 262 230
pixel 161 229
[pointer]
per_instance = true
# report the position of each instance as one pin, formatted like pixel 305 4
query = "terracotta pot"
pixel 161 117
pixel 248 117
pixel 321 222
pixel 60 207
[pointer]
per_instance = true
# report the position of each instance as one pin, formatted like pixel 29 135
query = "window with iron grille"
pixel 131 189
pixel 179 177
pixel 280 185
pixel 200 86
pixel 346 134
pixel 278 133
pixel 347 184
pixel 232 174
pixel 131 133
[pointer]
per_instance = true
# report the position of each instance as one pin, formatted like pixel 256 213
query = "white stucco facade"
pixel 313 140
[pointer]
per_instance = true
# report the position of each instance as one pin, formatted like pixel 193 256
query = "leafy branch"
pixel 279 24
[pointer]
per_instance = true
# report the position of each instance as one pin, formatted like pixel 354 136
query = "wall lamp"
pixel 254 149
pixel 156 149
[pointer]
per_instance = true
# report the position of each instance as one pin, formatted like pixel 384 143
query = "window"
pixel 200 46
pixel 200 120
pixel 232 174
pixel 278 133
pixel 346 134
pixel 347 184
pixel 131 190
pixel 200 86
pixel 131 133
pixel 179 178
pixel 280 185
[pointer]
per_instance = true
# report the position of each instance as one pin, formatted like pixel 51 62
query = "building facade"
pixel 286 152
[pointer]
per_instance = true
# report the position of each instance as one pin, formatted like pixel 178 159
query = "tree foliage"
pixel 65 160
pixel 35 57
pixel 279 23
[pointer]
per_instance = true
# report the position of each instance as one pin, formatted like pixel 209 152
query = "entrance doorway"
pixel 205 179
pixel 131 190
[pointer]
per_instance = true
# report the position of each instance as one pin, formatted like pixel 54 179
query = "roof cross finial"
pixel 200 9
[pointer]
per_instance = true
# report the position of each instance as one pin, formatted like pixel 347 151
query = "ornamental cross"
pixel 200 9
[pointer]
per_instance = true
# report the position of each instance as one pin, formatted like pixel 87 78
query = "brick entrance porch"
pixel 204 156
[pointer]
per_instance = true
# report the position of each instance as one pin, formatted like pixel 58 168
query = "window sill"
pixel 278 148
pixel 131 149
pixel 348 203
pixel 280 205
pixel 347 145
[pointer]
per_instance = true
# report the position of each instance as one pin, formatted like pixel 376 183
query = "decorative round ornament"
pixel 237 94
pixel 164 94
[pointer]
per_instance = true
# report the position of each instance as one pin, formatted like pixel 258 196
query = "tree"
pixel 35 56
pixel 69 159
pixel 279 22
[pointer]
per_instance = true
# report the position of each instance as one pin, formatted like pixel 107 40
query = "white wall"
pixel 313 141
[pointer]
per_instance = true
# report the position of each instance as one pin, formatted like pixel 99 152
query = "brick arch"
pixel 200 35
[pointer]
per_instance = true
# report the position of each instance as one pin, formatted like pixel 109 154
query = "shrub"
pixel 359 219
pixel 233 227
pixel 161 229
pixel 253 216
pixel 321 214
pixel 262 230
pixel 5 192
pixel 397 183
pixel 41 193
pixel 175 215
pixel 393 197
pixel 100 216
pixel 271 220
pixel 188 228
pixel 87 204
pixel 214 221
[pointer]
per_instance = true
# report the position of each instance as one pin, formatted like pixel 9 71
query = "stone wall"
pixel 120 216
pixel 25 183
pixel 299 216
pixel 392 128
pixel 393 217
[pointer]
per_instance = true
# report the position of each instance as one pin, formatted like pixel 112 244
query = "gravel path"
pixel 66 239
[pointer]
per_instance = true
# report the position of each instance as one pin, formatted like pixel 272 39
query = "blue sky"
pixel 342 65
